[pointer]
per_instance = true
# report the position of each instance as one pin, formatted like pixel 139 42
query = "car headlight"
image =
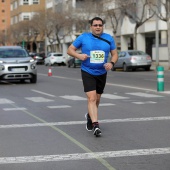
pixel 32 60
pixel 2 67
pixel 1 62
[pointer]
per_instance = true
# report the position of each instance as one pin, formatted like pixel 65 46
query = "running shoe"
pixel 96 130
pixel 89 125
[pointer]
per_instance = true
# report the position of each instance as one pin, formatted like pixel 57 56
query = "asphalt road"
pixel 42 126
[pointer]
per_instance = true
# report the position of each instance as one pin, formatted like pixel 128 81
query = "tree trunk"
pixel 134 39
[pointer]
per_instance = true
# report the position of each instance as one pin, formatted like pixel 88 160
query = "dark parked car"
pixel 38 57
pixel 133 59
pixel 73 62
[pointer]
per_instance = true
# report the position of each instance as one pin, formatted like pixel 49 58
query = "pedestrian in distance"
pixel 96 47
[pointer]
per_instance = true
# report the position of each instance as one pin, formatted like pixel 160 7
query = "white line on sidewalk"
pixel 83 122
pixel 81 156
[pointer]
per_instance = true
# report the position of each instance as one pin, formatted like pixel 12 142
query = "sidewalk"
pixel 153 66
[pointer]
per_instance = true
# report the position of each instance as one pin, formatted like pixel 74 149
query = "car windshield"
pixel 136 53
pixel 13 53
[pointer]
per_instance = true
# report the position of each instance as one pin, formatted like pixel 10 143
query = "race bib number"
pixel 97 56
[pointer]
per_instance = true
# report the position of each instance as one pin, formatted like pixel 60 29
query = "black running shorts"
pixel 91 82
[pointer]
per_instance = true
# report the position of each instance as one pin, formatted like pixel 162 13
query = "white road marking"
pixel 39 99
pixel 43 93
pixel 84 122
pixel 146 102
pixel 144 94
pixel 13 109
pixel 5 101
pixel 112 96
pixel 166 92
pixel 82 156
pixel 57 107
pixel 73 97
pixel 109 84
pixel 131 87
pixel 106 104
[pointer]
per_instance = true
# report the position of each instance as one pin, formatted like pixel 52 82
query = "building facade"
pixel 4 21
pixel 24 10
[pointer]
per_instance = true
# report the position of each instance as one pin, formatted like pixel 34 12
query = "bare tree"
pixel 83 12
pixel 2 38
pixel 136 11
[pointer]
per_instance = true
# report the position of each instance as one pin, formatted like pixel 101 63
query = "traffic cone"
pixel 49 72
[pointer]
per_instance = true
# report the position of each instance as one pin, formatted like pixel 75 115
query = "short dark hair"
pixel 96 18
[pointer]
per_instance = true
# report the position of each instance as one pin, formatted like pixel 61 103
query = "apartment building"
pixel 4 21
pixel 24 10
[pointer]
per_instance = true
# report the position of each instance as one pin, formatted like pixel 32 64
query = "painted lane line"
pixel 166 92
pixel 144 95
pixel 58 107
pixel 13 109
pixel 147 102
pixel 109 84
pixel 5 101
pixel 67 78
pixel 39 99
pixel 43 93
pixel 85 156
pixel 130 87
pixel 144 119
pixel 112 96
pixel 106 104
pixel 73 97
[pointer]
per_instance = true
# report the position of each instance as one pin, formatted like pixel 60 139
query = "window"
pixel 26 17
pixel 3 10
pixel 3 20
pixel 3 0
pixel 35 1
pixel 25 2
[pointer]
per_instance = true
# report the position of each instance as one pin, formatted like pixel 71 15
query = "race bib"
pixel 97 56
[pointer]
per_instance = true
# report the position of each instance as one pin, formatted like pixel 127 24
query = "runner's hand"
pixel 83 57
pixel 108 66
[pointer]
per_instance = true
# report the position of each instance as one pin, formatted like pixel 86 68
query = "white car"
pixel 55 58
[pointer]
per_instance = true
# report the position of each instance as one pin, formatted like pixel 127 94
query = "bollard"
pixel 160 78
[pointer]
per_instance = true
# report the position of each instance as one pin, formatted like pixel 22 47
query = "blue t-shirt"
pixel 97 49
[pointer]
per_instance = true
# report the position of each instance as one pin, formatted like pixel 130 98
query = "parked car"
pixel 38 57
pixel 16 64
pixel 73 62
pixel 133 59
pixel 55 58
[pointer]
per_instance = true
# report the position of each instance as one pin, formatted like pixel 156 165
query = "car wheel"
pixel 125 67
pixel 34 79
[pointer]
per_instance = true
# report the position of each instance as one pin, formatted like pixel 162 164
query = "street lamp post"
pixel 157 37
pixel 45 38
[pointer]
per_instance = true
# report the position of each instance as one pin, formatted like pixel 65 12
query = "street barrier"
pixel 160 78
